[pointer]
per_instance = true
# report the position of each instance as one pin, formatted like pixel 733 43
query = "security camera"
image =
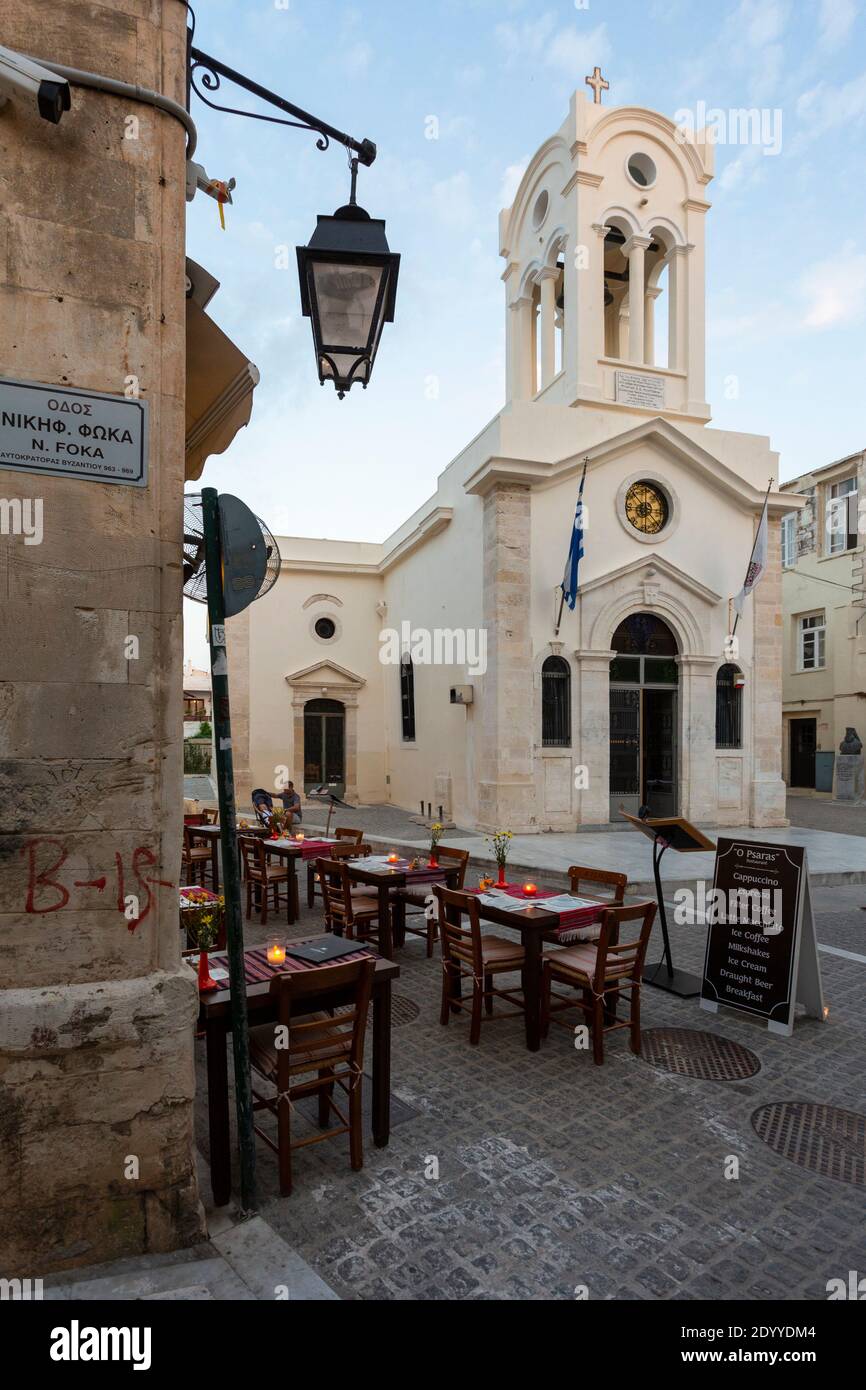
pixel 25 80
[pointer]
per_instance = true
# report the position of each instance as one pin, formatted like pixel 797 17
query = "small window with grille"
pixel 556 703
pixel 729 707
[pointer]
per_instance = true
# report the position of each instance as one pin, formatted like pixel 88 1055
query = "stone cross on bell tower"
pixel 598 85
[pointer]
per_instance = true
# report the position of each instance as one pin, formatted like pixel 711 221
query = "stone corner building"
pixel 96 1018
pixel 631 701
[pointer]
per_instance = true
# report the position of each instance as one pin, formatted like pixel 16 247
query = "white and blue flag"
pixel 575 553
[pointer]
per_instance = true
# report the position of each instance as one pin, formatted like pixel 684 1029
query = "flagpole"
pixel 580 512
pixel 755 544
pixel 561 606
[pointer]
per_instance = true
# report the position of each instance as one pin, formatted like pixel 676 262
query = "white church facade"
pixel 628 700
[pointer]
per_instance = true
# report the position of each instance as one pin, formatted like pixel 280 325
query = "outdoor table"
pixel 537 924
pixel 215 1021
pixel 375 872
pixel 290 851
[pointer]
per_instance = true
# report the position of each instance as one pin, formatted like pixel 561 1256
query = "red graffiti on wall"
pixel 45 893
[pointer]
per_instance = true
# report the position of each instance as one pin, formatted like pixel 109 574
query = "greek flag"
pixel 575 553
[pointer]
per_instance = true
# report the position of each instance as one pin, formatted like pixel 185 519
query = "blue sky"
pixel 786 261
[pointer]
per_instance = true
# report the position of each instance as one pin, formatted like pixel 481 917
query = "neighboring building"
pixel 824 608
pixel 197 702
pixel 630 700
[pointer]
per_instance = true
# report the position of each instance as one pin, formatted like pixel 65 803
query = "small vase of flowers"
pixel 202 919
pixel 436 832
pixel 501 842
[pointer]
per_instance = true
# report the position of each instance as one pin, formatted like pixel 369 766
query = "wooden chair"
pixel 196 858
pixel 350 912
pixel 471 955
pixel 263 874
pixel 210 815
pixel 416 900
pixel 330 1047
pixel 601 972
pixel 345 837
pixel 604 878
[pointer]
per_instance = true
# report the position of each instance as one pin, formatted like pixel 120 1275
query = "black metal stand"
pixel 663 974
pixel 229 844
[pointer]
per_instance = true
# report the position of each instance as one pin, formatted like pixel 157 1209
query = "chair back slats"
pixel 603 877
pixel 348 832
pixel 345 849
pixel 252 849
pixel 336 891
pixel 324 1041
pixel 459 946
pixel 459 856
pixel 624 959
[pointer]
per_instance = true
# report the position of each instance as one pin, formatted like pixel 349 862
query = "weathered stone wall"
pixel 96 1068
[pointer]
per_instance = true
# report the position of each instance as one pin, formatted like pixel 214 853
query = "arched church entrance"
pixel 644 691
pixel 325 745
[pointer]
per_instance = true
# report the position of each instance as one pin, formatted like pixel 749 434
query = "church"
pixel 439 668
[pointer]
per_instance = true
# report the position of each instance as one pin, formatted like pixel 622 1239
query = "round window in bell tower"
pixel 540 209
pixel 642 170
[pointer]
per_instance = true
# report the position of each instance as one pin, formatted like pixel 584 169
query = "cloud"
pixel 836 21
pixel 576 53
pixel 453 202
pixel 762 22
pixel 835 289
pixel 823 107
pixel 511 182
pixel 356 60
pixel 745 170
pixel 568 50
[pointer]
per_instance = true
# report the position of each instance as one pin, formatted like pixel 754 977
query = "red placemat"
pixel 570 926
pixel 257 967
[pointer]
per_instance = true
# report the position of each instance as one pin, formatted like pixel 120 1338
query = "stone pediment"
pixel 658 433
pixel 325 674
pixel 654 571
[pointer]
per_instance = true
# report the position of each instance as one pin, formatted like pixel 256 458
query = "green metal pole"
pixel 229 843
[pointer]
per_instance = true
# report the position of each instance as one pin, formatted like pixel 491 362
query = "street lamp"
pixel 348 281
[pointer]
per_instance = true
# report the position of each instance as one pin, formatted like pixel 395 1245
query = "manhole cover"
pixel 703 1055
pixel 403 1010
pixel 821 1138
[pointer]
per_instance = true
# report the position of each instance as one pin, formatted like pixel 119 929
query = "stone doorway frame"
pixel 326 681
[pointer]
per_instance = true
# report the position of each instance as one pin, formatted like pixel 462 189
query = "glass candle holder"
pixel 530 890
pixel 276 950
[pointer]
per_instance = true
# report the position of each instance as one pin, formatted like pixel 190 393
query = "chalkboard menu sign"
pixel 761 956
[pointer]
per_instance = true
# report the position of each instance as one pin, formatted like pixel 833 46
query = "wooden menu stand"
pixel 669 832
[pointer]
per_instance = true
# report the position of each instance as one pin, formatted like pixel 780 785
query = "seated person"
pixel 263 805
pixel 292 803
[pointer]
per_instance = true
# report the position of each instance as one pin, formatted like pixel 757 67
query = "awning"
pixel 220 382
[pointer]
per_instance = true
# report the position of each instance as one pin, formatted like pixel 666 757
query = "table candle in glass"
pixel 276 950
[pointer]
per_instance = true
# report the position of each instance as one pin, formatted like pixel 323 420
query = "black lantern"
pixel 348 288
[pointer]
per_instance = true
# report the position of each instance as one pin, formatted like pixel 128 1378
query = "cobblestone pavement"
pixel 554 1173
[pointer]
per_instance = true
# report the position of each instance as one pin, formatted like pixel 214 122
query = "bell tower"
pixel 604 252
